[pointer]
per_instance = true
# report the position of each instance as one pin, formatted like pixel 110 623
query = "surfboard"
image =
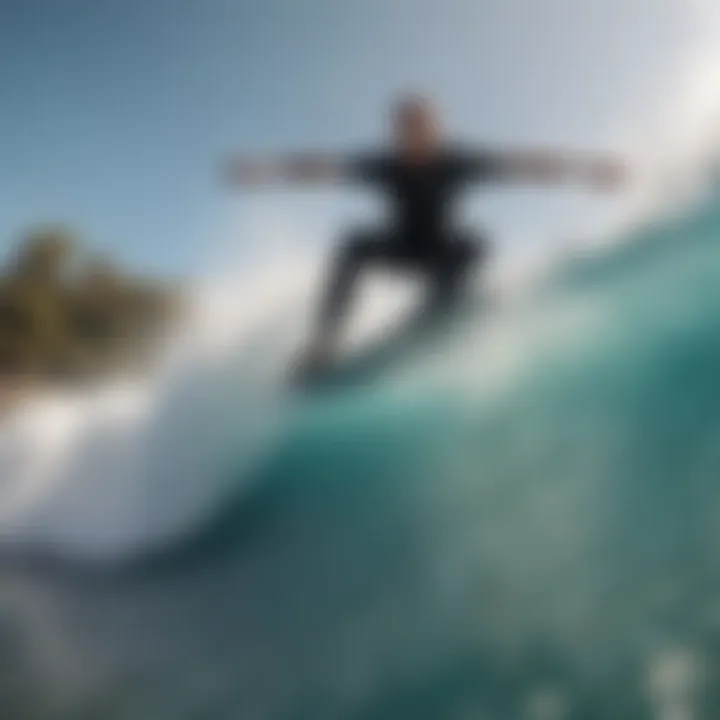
pixel 417 330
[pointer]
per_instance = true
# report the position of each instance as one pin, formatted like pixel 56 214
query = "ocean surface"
pixel 517 519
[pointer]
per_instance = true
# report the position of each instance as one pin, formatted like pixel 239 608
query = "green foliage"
pixel 65 317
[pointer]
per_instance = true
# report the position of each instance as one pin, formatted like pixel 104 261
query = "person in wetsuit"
pixel 422 176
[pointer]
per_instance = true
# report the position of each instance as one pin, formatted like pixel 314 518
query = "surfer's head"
pixel 416 126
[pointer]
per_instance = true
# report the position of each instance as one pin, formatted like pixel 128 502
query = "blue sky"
pixel 117 113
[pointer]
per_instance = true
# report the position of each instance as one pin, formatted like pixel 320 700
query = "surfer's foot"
pixel 315 359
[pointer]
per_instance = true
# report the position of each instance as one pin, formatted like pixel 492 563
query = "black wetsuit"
pixel 421 234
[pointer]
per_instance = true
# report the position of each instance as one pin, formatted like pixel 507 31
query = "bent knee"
pixel 360 245
pixel 466 252
pixel 473 249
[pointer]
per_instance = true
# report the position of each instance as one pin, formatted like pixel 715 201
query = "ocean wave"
pixel 136 467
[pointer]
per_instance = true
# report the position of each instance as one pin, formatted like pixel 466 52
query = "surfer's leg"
pixel 453 265
pixel 360 249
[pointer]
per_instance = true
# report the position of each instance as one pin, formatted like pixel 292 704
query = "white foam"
pixel 133 464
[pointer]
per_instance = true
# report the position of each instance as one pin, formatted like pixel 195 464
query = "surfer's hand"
pixel 602 172
pixel 607 174
pixel 249 172
pixel 296 167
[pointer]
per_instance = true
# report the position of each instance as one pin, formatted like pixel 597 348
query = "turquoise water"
pixel 519 522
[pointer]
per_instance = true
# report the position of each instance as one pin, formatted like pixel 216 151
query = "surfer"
pixel 421 174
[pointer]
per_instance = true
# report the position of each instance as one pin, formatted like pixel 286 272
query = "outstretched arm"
pixel 294 168
pixel 600 171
